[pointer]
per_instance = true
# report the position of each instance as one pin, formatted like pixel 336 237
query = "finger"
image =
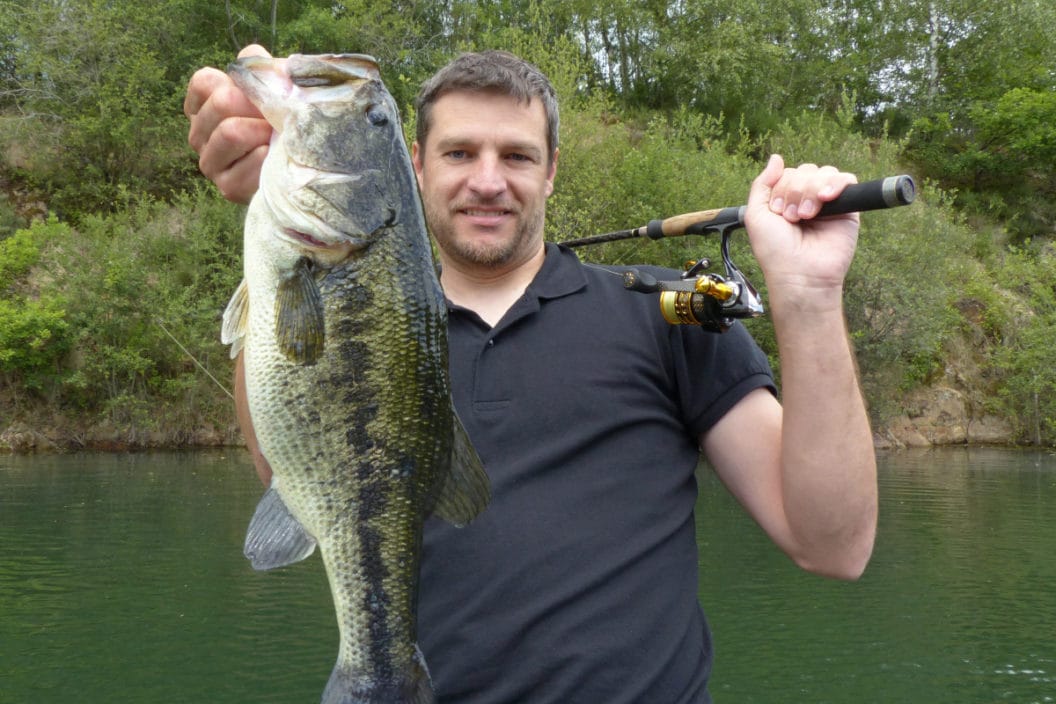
pixel 815 181
pixel 819 185
pixel 202 85
pixel 240 181
pixel 253 50
pixel 834 184
pixel 212 97
pixel 762 187
pixel 232 140
pixel 793 194
pixel 227 102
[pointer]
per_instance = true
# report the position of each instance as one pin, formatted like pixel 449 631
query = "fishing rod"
pixel 714 301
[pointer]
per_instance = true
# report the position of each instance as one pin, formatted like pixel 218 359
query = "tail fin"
pixel 412 686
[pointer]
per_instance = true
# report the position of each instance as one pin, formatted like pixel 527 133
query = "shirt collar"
pixel 561 274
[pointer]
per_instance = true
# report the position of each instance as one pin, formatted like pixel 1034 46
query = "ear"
pixel 416 161
pixel 552 172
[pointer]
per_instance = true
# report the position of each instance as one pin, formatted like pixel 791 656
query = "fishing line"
pixel 193 358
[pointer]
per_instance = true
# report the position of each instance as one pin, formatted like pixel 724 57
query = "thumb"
pixel 253 50
pixel 759 195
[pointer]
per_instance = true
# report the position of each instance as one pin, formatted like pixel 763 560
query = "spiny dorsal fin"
pixel 466 491
pixel 236 314
pixel 275 538
pixel 299 327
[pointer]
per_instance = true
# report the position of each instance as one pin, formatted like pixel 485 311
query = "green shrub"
pixel 34 338
pixel 1026 355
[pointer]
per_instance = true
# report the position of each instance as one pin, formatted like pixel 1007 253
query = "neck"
pixel 488 291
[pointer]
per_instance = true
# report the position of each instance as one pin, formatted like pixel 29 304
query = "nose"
pixel 487 179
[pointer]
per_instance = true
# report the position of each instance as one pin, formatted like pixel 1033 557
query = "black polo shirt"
pixel 578 584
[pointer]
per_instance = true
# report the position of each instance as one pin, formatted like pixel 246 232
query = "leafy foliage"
pixel 667 107
pixel 33 327
pixel 1027 357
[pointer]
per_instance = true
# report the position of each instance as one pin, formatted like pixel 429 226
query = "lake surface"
pixel 122 580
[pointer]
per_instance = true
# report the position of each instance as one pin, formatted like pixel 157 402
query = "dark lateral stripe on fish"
pixel 376 558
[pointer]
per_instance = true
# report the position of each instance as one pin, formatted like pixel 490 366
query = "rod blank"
pixel 889 192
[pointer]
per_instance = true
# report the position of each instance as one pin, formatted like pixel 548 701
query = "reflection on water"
pixel 957 605
pixel 122 580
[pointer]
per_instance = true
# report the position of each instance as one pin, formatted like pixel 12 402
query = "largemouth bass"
pixel 342 325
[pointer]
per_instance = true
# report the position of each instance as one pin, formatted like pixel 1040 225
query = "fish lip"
pixel 303 239
pixel 322 172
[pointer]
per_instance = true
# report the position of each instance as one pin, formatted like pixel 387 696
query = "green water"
pixel 121 580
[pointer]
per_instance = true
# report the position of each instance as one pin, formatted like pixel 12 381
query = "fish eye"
pixel 377 116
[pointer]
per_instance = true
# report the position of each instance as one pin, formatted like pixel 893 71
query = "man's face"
pixel 485 175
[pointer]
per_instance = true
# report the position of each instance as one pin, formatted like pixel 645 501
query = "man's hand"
pixel 228 132
pixel 803 259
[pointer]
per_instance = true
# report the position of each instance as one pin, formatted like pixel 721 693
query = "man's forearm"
pixel 828 460
pixel 245 423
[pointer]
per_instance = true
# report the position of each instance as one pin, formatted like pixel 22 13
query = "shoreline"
pixel 20 439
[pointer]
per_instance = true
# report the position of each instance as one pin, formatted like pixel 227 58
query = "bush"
pixel 114 317
pixel 34 337
pixel 1026 356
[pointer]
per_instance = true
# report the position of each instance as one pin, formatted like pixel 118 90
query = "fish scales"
pixel 342 325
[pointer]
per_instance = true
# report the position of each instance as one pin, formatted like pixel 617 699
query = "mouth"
pixel 486 217
pixel 478 213
pixel 305 239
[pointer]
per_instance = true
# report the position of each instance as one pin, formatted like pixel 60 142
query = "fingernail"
pixel 806 208
pixel 777 205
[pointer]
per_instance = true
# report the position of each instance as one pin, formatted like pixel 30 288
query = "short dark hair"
pixel 489 71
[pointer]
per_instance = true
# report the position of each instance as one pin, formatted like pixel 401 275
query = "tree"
pixel 95 103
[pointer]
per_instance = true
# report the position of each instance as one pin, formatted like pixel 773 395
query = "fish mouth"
pixel 303 239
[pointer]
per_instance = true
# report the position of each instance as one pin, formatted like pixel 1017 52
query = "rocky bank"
pixel 938 415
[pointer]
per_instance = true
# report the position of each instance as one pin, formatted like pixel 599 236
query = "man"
pixel 579 582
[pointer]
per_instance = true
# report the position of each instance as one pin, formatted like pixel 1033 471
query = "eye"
pixel 377 116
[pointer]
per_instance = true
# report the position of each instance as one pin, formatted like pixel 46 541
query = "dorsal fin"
pixel 236 316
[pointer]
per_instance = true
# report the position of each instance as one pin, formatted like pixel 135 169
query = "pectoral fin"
pixel 466 491
pixel 235 316
pixel 275 537
pixel 299 326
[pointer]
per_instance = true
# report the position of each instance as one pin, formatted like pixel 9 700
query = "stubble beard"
pixel 484 254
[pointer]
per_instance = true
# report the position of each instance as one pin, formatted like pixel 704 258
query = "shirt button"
pixel 491 343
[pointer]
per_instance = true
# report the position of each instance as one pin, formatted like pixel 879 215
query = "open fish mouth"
pixel 342 244
pixel 306 239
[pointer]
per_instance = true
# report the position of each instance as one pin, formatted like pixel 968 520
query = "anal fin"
pixel 275 538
